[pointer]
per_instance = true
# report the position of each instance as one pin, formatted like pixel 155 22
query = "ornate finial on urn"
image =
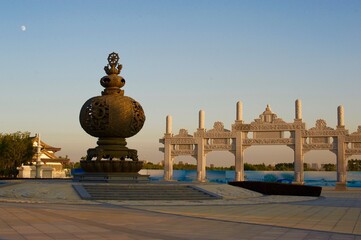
pixel 112 82
pixel 113 67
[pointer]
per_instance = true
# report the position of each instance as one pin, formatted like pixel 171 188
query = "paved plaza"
pixel 52 210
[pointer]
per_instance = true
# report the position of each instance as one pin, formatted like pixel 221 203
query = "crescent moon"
pixel 23 28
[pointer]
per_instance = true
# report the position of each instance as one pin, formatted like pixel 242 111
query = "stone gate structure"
pixel 268 129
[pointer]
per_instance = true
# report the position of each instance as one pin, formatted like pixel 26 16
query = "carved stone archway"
pixel 268 129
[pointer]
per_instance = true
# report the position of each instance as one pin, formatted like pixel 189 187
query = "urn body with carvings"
pixel 114 116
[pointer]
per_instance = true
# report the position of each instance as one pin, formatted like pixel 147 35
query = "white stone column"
pixel 298 158
pixel 239 165
pixel 341 163
pixel 201 160
pixel 239 111
pixel 201 119
pixel 201 156
pixel 169 125
pixel 168 160
pixel 341 156
pixel 298 109
pixel 38 159
pixel 340 117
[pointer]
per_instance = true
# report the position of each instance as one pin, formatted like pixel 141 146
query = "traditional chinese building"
pixel 52 166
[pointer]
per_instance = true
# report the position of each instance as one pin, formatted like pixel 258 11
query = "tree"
pixel 329 167
pixel 150 165
pixel 354 165
pixel 249 167
pixel 284 167
pixel 187 166
pixel 257 167
pixel 15 149
pixel 71 165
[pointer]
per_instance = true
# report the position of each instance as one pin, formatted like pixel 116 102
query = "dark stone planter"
pixel 271 188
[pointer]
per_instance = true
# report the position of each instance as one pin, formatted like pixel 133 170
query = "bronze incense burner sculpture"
pixel 112 117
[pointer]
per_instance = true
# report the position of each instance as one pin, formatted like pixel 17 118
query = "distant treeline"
pixel 15 149
pixel 353 165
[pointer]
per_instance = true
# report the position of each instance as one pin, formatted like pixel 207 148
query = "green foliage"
pixel 71 165
pixel 220 168
pixel 257 167
pixel 249 167
pixel 329 167
pixel 15 149
pixel 354 165
pixel 76 165
pixel 284 167
pixel 150 165
pixel 181 166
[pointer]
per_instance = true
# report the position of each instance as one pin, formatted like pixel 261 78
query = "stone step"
pixel 149 197
pixel 142 192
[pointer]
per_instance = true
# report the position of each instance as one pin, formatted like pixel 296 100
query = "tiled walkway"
pixel 336 215
pixel 29 221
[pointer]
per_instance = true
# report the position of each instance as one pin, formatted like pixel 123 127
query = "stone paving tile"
pixel 86 236
pixel 26 229
pixel 357 228
pixel 67 227
pixel 11 236
pixel 37 237
pixel 271 217
pixel 278 215
pixel 179 228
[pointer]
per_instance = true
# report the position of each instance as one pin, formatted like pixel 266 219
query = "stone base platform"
pixel 111 177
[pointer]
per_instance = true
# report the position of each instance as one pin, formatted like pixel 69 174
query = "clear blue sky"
pixel 178 57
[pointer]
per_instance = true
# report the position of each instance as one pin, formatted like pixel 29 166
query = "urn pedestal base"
pixel 109 148
pixel 111 171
